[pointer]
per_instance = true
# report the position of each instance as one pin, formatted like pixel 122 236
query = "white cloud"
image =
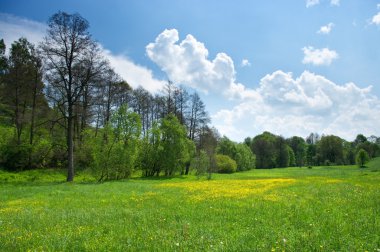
pixel 298 106
pixel 13 27
pixel 376 19
pixel 187 62
pixel 318 57
pixel 245 62
pixel 133 73
pixel 326 29
pixel 335 2
pixel 310 3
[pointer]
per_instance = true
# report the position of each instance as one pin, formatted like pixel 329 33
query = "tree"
pixel 241 153
pixel 263 146
pixel 65 49
pixel 281 152
pixel 115 154
pixel 18 84
pixel 200 163
pixel 298 146
pixel 330 149
pixel 362 158
pixel 174 145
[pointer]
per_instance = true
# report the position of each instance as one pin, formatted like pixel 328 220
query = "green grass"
pixel 293 209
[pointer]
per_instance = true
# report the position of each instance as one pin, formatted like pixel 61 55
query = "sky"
pixel 288 67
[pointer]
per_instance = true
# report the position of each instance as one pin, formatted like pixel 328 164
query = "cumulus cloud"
pixel 318 57
pixel 187 62
pixel 376 19
pixel 310 3
pixel 13 27
pixel 326 29
pixel 291 106
pixel 245 63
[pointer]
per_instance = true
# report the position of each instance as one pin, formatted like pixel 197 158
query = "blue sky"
pixel 289 67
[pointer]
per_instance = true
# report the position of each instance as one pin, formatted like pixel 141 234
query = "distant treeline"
pixel 62 105
pixel 275 151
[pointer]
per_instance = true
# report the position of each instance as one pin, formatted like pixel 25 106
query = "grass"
pixel 292 209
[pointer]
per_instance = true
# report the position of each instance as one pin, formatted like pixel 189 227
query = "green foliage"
pixel 292 158
pixel 225 164
pixel 244 158
pixel 175 147
pixel 200 163
pixel 298 146
pixel 330 149
pixel 241 153
pixel 115 152
pixel 362 158
pixel 149 159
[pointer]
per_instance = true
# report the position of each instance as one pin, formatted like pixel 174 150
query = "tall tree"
pixel 65 49
pixel 298 146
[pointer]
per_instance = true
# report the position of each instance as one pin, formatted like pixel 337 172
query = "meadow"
pixel 334 208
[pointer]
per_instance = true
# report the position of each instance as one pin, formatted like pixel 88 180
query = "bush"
pixel 15 157
pixel 225 164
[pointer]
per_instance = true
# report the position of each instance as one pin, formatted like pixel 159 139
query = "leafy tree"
pixel 263 146
pixel 115 154
pixel 292 157
pixel 244 158
pixel 200 163
pixel 241 153
pixel 152 150
pixel 281 152
pixel 174 145
pixel 330 148
pixel 225 164
pixel 362 158
pixel 298 146
pixel 311 152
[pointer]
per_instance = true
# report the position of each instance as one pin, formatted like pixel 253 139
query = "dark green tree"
pixel 362 158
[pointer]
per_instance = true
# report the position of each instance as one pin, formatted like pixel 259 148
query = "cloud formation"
pixel 291 106
pixel 326 29
pixel 186 62
pixel 318 57
pixel 376 19
pixel 13 27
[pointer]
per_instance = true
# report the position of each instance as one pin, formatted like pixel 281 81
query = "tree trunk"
pixel 31 134
pixel 70 144
pixel 187 168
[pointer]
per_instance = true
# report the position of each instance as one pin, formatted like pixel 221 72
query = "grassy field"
pixel 293 209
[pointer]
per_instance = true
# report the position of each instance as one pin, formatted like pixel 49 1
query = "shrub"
pixel 225 164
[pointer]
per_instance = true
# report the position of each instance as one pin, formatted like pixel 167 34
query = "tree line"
pixel 275 151
pixel 63 105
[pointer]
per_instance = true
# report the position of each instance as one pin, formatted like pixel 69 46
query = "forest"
pixel 63 106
